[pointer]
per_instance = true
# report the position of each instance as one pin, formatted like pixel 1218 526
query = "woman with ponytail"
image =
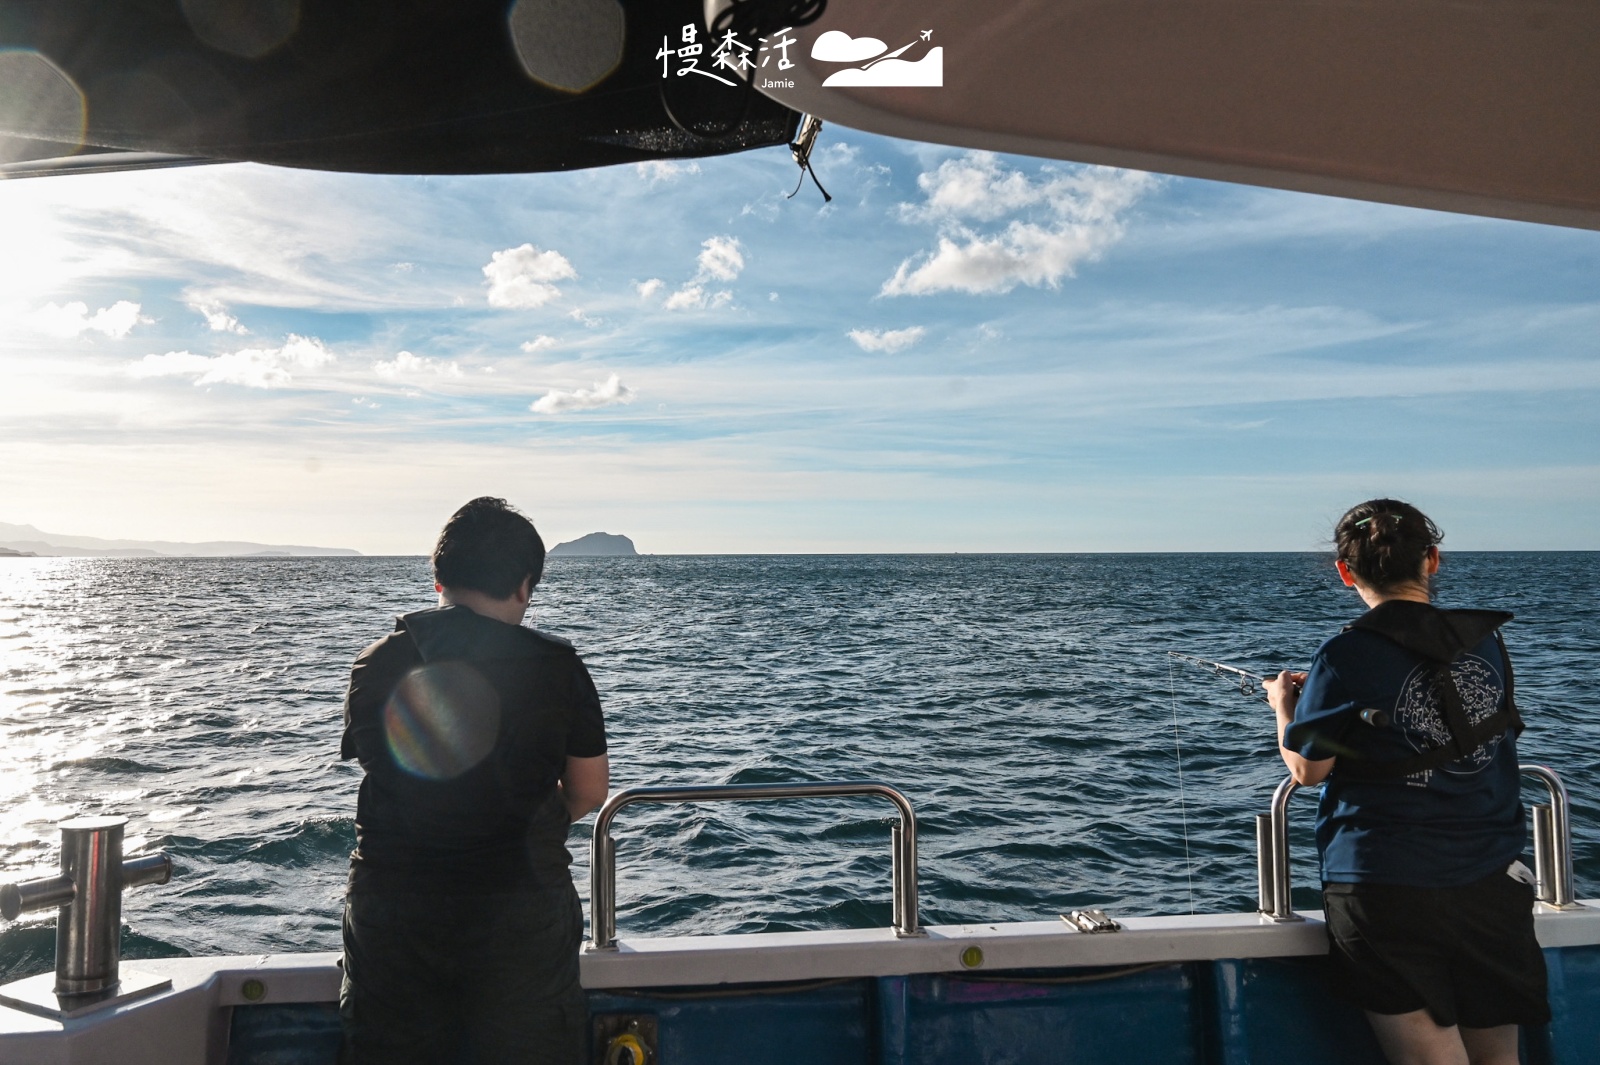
pixel 1408 719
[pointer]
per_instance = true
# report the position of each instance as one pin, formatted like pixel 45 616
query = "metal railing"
pixel 1552 848
pixel 603 850
pixel 1552 840
pixel 89 893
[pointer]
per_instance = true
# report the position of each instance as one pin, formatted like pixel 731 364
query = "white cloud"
pixel 649 288
pixel 539 343
pixel 73 319
pixel 521 278
pixel 605 393
pixel 977 185
pixel 658 170
pixel 217 317
pixel 693 297
pixel 686 298
pixel 1077 215
pixel 406 364
pixel 890 340
pixel 721 259
pixel 251 367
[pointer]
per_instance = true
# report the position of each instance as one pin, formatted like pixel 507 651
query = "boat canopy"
pixel 1482 106
pixel 377 86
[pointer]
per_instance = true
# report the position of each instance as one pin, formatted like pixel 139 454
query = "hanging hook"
pixel 800 148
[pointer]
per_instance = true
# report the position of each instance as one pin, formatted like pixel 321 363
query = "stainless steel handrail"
pixel 1552 840
pixel 1552 848
pixel 603 850
pixel 1272 862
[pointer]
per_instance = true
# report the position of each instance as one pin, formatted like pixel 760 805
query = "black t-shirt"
pixel 463 725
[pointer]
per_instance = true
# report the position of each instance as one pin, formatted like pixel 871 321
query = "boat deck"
pixel 1230 988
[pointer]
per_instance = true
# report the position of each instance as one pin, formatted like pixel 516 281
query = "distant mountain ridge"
pixel 596 543
pixel 26 539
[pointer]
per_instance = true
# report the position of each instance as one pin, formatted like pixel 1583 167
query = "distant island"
pixel 596 543
pixel 23 540
pixel 9 552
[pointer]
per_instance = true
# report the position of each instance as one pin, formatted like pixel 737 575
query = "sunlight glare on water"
pixel 1025 704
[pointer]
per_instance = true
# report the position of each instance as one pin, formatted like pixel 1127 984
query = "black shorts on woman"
pixel 1421 824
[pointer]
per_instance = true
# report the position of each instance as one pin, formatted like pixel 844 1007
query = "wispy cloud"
pixel 695 297
pixel 217 317
pixel 73 319
pixel 523 277
pixel 607 393
pixel 656 171
pixel 888 340
pixel 1073 216
pixel 405 365
pixel 720 259
pixel 541 342
pixel 649 288
pixel 250 367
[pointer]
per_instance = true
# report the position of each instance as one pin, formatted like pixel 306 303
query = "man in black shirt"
pixel 481 741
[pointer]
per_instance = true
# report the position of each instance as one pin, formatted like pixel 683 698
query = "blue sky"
pixel 962 352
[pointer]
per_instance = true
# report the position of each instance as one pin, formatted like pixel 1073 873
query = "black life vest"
pixel 1439 637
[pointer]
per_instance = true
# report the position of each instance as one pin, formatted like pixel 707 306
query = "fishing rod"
pixel 1247 680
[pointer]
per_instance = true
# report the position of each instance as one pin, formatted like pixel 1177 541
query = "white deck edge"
pixel 189 1024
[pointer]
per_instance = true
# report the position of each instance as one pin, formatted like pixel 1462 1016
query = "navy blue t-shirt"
pixel 1441 827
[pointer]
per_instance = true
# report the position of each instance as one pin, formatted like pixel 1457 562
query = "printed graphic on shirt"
pixel 1419 712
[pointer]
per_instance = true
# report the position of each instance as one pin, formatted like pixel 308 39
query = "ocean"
pixel 1025 703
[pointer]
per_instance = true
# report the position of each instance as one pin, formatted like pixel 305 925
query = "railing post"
pixel 1266 880
pixel 1272 856
pixel 1552 840
pixel 89 930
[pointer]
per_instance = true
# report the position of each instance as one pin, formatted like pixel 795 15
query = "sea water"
pixel 1025 703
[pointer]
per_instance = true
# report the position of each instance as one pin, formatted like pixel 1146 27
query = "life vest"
pixel 1439 637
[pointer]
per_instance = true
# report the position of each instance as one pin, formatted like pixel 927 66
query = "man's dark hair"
pixel 489 547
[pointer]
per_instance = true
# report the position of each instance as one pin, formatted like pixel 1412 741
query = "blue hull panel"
pixel 1231 1012
pixel 1040 1021
pixel 823 1026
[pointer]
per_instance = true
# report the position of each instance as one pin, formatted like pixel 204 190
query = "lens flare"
pixel 569 45
pixel 39 102
pixel 442 720
pixel 249 29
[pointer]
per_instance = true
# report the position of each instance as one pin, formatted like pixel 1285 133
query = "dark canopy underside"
pixel 380 86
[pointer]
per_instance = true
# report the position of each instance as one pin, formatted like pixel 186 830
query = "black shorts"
pixel 1465 954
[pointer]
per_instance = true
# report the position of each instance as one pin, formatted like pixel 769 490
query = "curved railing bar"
pixel 1552 848
pixel 1552 840
pixel 603 849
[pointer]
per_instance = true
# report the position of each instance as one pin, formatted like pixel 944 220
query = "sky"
pixel 962 352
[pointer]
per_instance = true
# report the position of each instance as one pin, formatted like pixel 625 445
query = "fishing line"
pixel 1183 807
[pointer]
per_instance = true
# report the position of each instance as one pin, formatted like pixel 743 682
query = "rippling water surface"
pixel 1026 704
